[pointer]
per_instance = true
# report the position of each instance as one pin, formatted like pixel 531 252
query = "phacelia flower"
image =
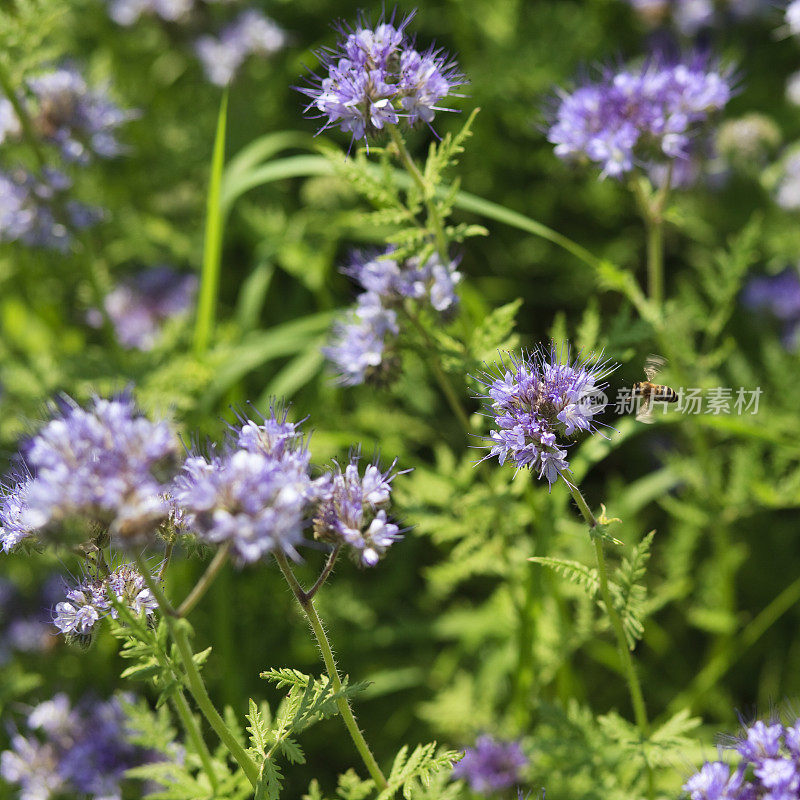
pixel 537 402
pixel 778 295
pixel 787 190
pixel 91 600
pixel 128 12
pixel 491 765
pixel 139 306
pixel 376 77
pixel 352 511
pixel 362 344
pixel 793 17
pixel 36 210
pixel 690 17
pixel 768 768
pixel 251 34
pixel 98 464
pixel 64 751
pixel 254 495
pixel 14 523
pixel 81 121
pixel 637 117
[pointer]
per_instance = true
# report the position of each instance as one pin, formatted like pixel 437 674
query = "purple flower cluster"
pixel 352 511
pixel 82 122
pixel 254 495
pixel 251 33
pixel 91 600
pixel 35 210
pixel 259 496
pixel 66 751
pixel 780 296
pixel 537 401
pixel 491 765
pixel 95 463
pixel 692 16
pixel 359 347
pixel 128 12
pixel 638 117
pixel 768 769
pixel 24 620
pixel 140 305
pixel 375 77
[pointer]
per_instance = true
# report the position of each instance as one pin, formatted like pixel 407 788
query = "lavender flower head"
pixel 538 401
pixel 768 767
pixel 139 306
pixel 375 77
pixel 779 295
pixel 352 511
pixel 251 34
pixel 97 463
pixel 14 525
pixel 362 344
pixel 91 600
pixel 638 117
pixel 80 751
pixel 128 12
pixel 81 121
pixel 254 495
pixel 491 765
pixel 692 16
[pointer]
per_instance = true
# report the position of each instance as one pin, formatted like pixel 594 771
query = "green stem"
pixel 628 667
pixel 202 586
pixel 193 732
pixel 428 195
pixel 439 373
pixel 655 261
pixel 307 604
pixel 29 134
pixel 177 629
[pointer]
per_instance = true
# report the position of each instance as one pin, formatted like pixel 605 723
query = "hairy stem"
pixel 195 737
pixel 323 576
pixel 628 667
pixel 207 578
pixel 428 194
pixel 307 604
pixel 441 376
pixel 177 629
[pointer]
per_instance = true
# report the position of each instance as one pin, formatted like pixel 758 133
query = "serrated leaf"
pixel 574 571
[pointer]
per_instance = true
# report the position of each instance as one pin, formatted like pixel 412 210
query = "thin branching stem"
pixel 307 604
pixel 195 737
pixel 206 579
pixel 323 576
pixel 194 682
pixel 628 667
pixel 438 371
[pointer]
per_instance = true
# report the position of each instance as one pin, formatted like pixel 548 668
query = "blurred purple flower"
pixel 139 306
pixel 634 117
pixel 491 765
pixel 251 33
pixel 778 295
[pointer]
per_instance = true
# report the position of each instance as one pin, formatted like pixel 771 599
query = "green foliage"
pixel 412 773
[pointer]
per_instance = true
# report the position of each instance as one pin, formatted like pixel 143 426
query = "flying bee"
pixel 651 392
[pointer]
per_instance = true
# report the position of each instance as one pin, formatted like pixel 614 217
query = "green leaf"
pixel 269 782
pixel 212 247
pixel 574 571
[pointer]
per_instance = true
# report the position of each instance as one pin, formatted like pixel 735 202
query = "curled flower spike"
pixel 376 77
pixel 254 494
pixel 537 402
pixel 91 600
pixel 640 116
pixel 352 511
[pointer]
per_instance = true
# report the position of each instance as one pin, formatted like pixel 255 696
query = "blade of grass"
pixel 212 246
